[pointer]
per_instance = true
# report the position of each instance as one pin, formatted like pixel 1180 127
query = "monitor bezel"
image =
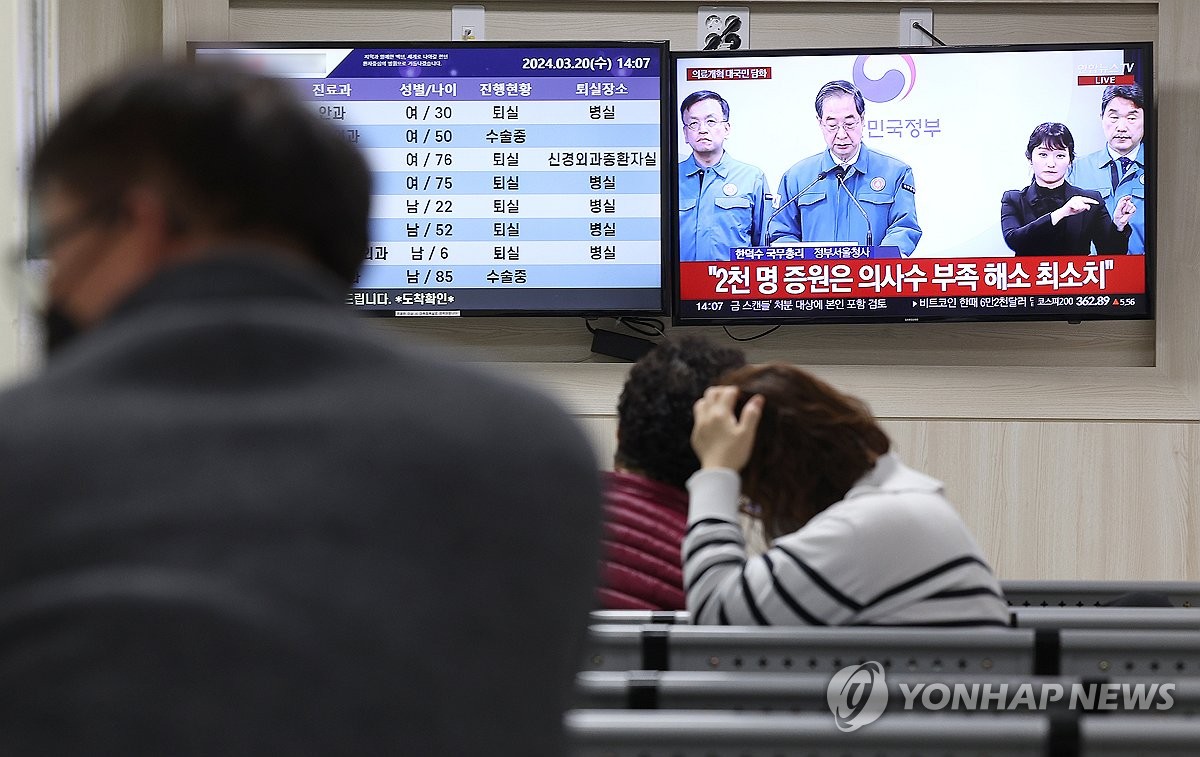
pixel 1149 141
pixel 666 166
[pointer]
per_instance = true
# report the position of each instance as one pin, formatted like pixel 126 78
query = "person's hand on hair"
pixel 721 439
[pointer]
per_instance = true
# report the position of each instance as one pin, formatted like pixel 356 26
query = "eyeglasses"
pixel 29 265
pixel 44 239
pixel 709 124
pixel 850 124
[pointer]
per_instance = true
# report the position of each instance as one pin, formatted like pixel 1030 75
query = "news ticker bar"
pixel 900 308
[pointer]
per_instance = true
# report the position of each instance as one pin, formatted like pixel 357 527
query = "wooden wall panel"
pixel 1066 500
pixel 567 340
pixel 334 21
pixel 98 37
pixel 1071 450
pixel 198 20
pixel 14 125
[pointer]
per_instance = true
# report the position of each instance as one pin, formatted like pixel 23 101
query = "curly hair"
pixel 812 444
pixel 654 413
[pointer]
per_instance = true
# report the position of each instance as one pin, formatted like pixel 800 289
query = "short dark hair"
pixel 654 413
pixel 1054 135
pixel 232 151
pixel 704 94
pixel 839 87
pixel 813 443
pixel 1131 92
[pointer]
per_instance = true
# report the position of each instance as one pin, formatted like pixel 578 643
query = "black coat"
pixel 1025 223
pixel 234 520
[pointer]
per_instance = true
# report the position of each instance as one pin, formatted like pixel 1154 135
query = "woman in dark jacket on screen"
pixel 1052 217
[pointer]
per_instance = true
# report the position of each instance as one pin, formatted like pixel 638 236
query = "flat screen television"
pixel 521 178
pixel 914 184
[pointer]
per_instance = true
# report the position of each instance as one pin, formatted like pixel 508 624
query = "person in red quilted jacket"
pixel 645 503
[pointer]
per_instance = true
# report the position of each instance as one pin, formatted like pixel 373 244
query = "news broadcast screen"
pixel 509 178
pixel 965 183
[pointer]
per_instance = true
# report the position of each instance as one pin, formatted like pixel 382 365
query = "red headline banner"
pixel 1104 81
pixel 729 73
pixel 914 277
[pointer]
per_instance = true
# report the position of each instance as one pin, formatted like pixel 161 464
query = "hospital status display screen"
pixel 976 183
pixel 509 178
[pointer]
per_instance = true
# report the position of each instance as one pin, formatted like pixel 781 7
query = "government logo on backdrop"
pixel 892 85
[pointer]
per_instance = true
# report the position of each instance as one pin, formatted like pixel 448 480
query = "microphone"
pixel 820 177
pixel 841 177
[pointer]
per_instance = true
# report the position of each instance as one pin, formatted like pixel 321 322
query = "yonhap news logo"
pixel 857 696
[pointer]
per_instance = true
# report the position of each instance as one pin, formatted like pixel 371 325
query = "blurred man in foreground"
pixel 232 520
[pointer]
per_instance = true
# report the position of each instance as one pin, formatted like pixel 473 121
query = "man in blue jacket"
pixel 877 204
pixel 1119 168
pixel 722 201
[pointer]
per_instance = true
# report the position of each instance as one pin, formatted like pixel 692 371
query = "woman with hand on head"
pixel 857 537
pixel 1052 217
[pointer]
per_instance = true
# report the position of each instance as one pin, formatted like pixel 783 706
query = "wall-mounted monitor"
pixel 955 183
pixel 510 178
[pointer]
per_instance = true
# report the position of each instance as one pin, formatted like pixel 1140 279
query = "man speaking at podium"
pixel 848 193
